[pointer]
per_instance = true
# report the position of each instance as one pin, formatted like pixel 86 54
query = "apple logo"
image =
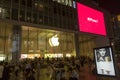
pixel 53 41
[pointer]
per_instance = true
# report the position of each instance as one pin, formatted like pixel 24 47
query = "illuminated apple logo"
pixel 53 41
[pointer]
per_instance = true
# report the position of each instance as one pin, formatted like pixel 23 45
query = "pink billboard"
pixel 90 20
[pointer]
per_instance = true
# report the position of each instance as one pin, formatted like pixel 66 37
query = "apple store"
pixel 38 42
pixel 50 30
pixel 34 42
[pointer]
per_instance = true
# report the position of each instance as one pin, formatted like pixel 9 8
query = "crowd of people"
pixel 82 68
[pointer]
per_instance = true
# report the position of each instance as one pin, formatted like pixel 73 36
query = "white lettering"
pixel 92 20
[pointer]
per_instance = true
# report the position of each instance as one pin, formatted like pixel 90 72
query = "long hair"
pixel 107 54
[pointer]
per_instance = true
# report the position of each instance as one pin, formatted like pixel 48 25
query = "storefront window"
pixel 87 44
pixel 46 43
pixel 24 46
pixel 5 41
pixel 2 41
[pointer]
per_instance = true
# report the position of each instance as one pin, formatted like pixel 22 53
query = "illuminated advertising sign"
pixel 104 61
pixel 90 20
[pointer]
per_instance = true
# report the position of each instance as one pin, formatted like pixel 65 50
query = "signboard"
pixel 104 61
pixel 90 20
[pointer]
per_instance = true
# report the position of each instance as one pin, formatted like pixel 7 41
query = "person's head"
pixel 102 51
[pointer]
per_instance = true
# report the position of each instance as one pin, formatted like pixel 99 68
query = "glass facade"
pixel 5 41
pixel 87 43
pixel 29 31
pixel 54 13
pixel 36 41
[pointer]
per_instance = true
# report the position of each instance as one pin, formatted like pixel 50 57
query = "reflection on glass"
pixel 36 41
pixel 5 41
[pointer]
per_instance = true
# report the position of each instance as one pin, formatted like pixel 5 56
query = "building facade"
pixel 116 29
pixel 45 28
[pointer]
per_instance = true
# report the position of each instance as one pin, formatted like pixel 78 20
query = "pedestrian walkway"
pixel 52 69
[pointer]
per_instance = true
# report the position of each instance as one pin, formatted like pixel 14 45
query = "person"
pixel 6 71
pixel 30 76
pixel 103 55
pixel 74 74
pixel 1 70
